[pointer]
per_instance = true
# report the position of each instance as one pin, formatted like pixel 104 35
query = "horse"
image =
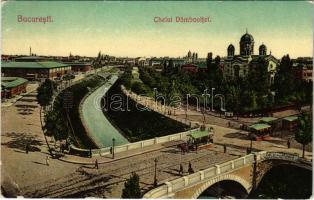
pixel 183 147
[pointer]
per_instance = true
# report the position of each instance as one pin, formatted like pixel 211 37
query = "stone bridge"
pixel 245 172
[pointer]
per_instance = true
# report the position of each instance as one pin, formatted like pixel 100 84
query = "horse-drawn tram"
pixel 259 131
pixel 198 140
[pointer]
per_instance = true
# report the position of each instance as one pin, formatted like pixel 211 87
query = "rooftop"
pixel 200 134
pixel 268 119
pixel 11 82
pixel 291 118
pixel 259 127
pixel 33 65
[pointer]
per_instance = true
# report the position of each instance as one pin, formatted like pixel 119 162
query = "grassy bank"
pixel 71 98
pixel 139 125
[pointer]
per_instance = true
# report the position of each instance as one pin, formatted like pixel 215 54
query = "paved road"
pixel 20 124
pixel 108 180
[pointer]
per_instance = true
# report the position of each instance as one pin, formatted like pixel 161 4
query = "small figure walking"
pixel 96 164
pixel 288 143
pixel 229 124
pixel 26 148
pixel 190 170
pixel 47 160
pixel 181 169
pixel 225 148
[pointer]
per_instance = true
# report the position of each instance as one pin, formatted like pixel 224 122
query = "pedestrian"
pixel 190 170
pixel 96 164
pixel 288 143
pixel 229 124
pixel 47 160
pixel 225 148
pixel 181 169
pixel 248 150
pixel 26 148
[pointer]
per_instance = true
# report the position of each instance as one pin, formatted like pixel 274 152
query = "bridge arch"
pixel 231 177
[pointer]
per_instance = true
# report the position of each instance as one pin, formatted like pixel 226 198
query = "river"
pixel 98 126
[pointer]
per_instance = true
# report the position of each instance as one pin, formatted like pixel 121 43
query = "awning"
pixel 199 134
pixel 259 127
pixel 268 119
pixel 291 118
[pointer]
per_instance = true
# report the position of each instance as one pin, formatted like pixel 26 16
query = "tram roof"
pixel 259 126
pixel 268 119
pixel 291 118
pixel 200 134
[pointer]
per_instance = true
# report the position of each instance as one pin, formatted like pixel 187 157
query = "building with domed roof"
pixel 239 65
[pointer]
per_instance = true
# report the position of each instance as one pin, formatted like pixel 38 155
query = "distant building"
pixel 156 62
pixel 191 57
pixel 240 65
pixel 303 68
pixel 35 69
pixel 190 68
pixel 141 61
pixel 32 59
pixel 79 67
pixel 11 86
pixel 194 68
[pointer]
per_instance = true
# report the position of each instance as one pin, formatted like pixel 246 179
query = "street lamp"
pixel 155 177
pixel 113 141
pixel 251 144
pixel 155 96
pixel 155 93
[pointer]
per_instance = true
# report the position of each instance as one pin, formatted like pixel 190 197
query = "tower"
pixel 30 51
pixel 230 50
pixel 262 50
pixel 246 44
pixel 189 54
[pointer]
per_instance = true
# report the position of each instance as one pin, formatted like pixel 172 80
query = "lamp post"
pixel 155 96
pixel 155 177
pixel 251 144
pixel 155 93
pixel 113 141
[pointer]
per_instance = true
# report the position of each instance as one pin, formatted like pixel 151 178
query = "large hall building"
pixel 239 65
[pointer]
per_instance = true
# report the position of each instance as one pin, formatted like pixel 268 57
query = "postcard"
pixel 157 99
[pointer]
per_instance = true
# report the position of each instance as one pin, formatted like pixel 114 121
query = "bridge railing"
pixel 173 186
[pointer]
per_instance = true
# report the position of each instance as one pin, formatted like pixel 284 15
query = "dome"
pixel 247 38
pixel 262 46
pixel 262 49
pixel 230 47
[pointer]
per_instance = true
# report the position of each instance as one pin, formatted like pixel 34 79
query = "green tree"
pixel 209 61
pixel 132 187
pixel 139 88
pixel 284 80
pixel 44 98
pixel 304 133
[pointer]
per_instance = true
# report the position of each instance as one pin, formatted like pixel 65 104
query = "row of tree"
pixel 242 94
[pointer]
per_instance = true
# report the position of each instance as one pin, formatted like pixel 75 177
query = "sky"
pixel 127 28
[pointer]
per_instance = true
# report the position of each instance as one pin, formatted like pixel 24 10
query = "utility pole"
pixel 113 141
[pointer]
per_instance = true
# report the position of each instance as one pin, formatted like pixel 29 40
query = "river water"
pixel 99 128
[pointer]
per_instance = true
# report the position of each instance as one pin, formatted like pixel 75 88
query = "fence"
pixel 142 144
